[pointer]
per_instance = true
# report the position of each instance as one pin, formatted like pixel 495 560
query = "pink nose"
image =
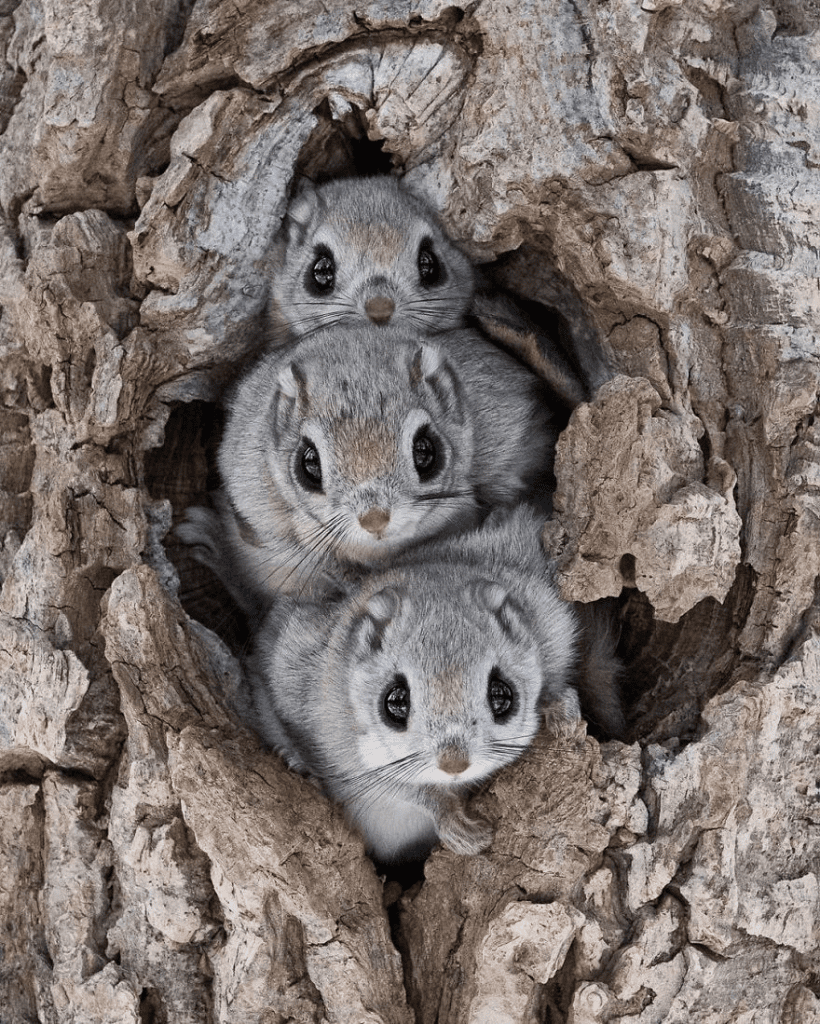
pixel 453 761
pixel 375 520
pixel 379 309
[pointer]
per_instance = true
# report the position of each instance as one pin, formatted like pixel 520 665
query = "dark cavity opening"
pixel 183 471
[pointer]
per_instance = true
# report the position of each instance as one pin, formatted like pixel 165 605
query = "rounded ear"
pixel 426 361
pixel 429 366
pixel 384 606
pixel 379 610
pixel 489 594
pixel 303 204
pixel 494 598
pixel 288 381
pixel 291 391
pixel 292 382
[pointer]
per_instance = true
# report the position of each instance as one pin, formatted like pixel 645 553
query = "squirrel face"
pixel 368 250
pixel 445 682
pixel 370 452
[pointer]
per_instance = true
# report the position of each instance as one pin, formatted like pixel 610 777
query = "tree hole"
pixel 341 148
pixel 183 471
pixel 151 1008
pixel 669 669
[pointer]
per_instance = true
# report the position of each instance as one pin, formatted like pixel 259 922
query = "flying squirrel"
pixel 423 680
pixel 358 442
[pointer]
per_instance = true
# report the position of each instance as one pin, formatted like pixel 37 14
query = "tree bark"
pixel 650 169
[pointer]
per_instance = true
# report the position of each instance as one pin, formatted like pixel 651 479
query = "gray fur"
pixel 359 395
pixel 373 228
pixel 444 616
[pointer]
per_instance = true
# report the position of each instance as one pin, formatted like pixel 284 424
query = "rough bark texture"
pixel 652 169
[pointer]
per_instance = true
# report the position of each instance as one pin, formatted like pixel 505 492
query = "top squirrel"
pixel 367 249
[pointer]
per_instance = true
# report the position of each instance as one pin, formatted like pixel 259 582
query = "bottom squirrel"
pixel 406 693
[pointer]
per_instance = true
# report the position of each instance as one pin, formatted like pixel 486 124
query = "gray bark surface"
pixel 649 167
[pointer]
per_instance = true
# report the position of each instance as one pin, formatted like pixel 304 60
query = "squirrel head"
pixel 445 674
pixel 366 250
pixel 368 442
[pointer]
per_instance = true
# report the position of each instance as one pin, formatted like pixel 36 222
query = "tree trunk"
pixel 648 168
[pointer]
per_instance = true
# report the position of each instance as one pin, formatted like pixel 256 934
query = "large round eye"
pixel 309 467
pixel 396 703
pixel 425 454
pixel 321 277
pixel 500 696
pixel 431 271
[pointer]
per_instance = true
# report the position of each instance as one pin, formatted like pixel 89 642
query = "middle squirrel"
pixel 356 443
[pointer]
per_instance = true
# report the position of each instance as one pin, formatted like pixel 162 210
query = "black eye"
pixel 431 271
pixel 425 455
pixel 309 467
pixel 321 277
pixel 396 703
pixel 500 696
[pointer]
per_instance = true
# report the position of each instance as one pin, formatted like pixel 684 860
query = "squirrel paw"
pixel 563 715
pixel 199 530
pixel 462 834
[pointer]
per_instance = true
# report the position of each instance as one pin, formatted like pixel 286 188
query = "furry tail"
pixel 599 671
